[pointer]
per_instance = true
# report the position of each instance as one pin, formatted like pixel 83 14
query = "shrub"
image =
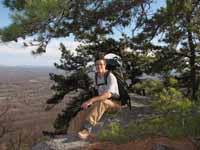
pixel 170 82
pixel 149 86
pixel 170 99
pixel 114 133
pixel 165 95
pixel 172 126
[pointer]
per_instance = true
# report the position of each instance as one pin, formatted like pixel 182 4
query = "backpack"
pixel 122 85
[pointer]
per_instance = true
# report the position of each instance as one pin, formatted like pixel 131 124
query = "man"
pixel 94 108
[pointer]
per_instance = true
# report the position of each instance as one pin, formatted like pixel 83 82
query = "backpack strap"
pixel 105 78
pixel 118 80
pixel 96 77
pixel 129 103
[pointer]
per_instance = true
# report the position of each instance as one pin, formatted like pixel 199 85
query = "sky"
pixel 15 54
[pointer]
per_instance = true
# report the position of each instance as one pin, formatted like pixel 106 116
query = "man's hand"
pixel 104 96
pixel 86 104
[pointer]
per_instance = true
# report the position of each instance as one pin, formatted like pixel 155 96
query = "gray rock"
pixel 41 146
pixel 60 144
pixel 140 110
pixel 161 147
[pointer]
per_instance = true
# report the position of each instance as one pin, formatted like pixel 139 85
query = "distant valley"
pixel 23 95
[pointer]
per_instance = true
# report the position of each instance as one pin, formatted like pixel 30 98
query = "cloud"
pixel 16 54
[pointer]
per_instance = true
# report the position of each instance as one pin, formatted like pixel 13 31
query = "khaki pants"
pixel 93 114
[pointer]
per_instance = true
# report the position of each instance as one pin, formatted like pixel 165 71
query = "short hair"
pixel 100 57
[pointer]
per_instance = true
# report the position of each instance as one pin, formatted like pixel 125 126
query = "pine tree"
pixel 177 29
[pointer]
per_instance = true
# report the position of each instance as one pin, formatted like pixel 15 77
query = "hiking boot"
pixel 86 131
pixel 84 134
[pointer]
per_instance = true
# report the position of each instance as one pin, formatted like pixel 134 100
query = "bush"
pixel 114 133
pixel 172 126
pixel 170 82
pixel 165 95
pixel 170 99
pixel 149 86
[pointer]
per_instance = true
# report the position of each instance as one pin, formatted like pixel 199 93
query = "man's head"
pixel 100 64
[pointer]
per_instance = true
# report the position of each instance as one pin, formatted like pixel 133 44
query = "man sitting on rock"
pixel 94 108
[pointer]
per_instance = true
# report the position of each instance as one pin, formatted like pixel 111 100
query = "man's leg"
pixel 95 113
pixel 80 119
pixel 98 109
pixel 76 123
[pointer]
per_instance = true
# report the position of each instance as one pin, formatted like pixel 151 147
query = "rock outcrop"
pixel 123 117
pixel 140 110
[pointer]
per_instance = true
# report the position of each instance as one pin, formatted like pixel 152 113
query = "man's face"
pixel 100 66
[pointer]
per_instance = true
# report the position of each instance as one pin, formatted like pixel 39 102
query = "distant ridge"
pixel 13 73
pixel 27 66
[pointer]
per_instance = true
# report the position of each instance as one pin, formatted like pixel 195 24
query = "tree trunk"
pixel 192 64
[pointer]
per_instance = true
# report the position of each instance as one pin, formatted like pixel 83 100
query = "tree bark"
pixel 192 62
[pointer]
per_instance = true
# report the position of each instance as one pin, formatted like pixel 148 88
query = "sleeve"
pixel 112 85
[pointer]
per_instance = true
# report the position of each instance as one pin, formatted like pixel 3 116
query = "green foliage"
pixel 173 126
pixel 14 4
pixel 169 99
pixel 64 85
pixel 113 133
pixel 165 96
pixel 178 23
pixel 35 11
pixel 150 86
pixel 11 32
pixel 89 19
pixel 61 123
pixel 137 63
pixel 171 82
pixel 43 11
pixel 29 16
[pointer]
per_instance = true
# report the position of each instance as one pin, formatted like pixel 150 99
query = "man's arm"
pixel 101 97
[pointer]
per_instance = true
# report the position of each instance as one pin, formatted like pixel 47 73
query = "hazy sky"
pixel 15 54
